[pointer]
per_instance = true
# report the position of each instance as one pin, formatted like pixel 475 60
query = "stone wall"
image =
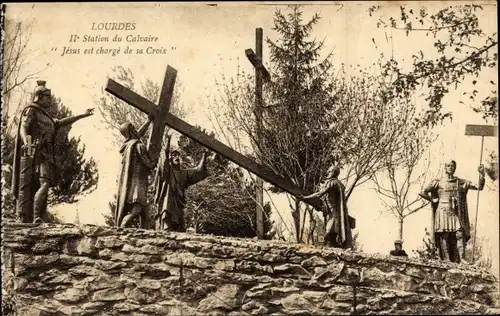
pixel 91 270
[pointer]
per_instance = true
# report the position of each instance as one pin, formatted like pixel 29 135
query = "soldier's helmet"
pixel 40 89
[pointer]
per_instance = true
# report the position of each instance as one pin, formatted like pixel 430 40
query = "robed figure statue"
pixel 170 184
pixel 34 168
pixel 338 222
pixel 133 183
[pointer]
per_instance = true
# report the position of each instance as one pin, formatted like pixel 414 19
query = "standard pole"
pixel 477 205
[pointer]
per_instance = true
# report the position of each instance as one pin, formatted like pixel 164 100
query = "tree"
pixel 491 167
pixel 482 256
pixel 75 173
pixel 463 52
pixel 293 137
pixel 223 204
pixel 315 115
pixel 401 175
pixel 15 74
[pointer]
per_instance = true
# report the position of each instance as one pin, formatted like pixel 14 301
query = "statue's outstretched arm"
pixel 72 119
pixel 317 194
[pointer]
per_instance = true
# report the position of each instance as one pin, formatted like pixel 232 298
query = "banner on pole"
pixel 481 130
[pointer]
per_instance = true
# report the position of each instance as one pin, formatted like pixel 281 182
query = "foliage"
pixel 15 73
pixel 75 173
pixel 224 203
pixel 315 115
pixel 428 250
pixel 482 257
pixel 491 167
pixel 463 52
pixel 291 137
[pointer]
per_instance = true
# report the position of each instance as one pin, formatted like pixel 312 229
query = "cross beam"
pixel 194 133
pixel 159 112
pixel 256 61
pixel 165 100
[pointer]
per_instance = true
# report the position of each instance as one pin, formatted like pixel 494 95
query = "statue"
pixel 170 184
pixel 398 249
pixel 132 186
pixel 338 222
pixel 34 163
pixel 448 197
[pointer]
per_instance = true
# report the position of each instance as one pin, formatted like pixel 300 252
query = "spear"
pixel 483 131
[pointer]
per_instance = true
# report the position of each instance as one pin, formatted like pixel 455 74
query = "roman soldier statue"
pixel 34 165
pixel 448 197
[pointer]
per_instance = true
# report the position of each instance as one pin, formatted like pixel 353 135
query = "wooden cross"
pixel 483 131
pixel 260 74
pixel 159 112
pixel 197 135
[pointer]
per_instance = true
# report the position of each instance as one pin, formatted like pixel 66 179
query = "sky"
pixel 205 42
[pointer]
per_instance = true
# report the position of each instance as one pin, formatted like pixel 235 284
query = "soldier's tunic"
pixel 27 171
pixel 42 128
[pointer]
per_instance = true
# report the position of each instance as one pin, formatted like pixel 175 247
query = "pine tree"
pixel 296 139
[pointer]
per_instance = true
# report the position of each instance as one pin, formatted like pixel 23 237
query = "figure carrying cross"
pixel 139 159
pixel 170 183
pixel 162 117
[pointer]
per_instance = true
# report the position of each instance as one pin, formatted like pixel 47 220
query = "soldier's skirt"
pixel 446 220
